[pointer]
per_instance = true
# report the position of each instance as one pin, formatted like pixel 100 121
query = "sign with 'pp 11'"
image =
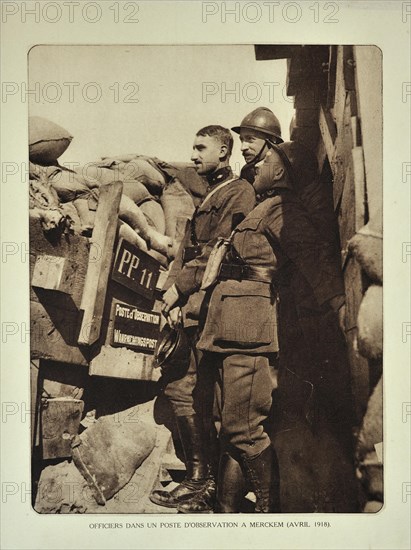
pixel 135 269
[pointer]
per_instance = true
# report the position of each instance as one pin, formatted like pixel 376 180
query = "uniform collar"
pixel 220 175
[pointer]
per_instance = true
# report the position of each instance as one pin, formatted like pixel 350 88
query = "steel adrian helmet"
pixel 261 120
pixel 299 162
pixel 173 349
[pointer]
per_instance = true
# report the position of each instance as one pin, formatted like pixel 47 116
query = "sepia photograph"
pixel 200 202
pixel 206 279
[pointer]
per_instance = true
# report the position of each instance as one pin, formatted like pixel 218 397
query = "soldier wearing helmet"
pixel 258 130
pixel 276 254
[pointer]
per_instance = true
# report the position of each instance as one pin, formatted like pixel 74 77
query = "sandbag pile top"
pixel 158 197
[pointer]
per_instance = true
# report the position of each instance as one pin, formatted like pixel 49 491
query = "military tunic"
pixel 241 325
pixel 222 208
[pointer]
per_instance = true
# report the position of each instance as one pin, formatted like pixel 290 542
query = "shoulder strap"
pixel 208 197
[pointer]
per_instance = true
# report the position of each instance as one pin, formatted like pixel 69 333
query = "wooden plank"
pixel 359 187
pixel 321 155
pixel 299 69
pixel 340 91
pixel 306 117
pixel 332 68
pixel 264 51
pixel 307 136
pixel 328 132
pixel 355 130
pixel 34 405
pixel 368 61
pixel 75 248
pixel 347 212
pixel 95 285
pixel 342 160
pixel 54 273
pixel 124 363
pixel 307 96
pixel 60 421
pixel 63 379
pixel 354 289
pixel 348 68
pixel 54 333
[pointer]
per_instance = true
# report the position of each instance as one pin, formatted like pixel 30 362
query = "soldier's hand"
pixel 170 299
pixel 174 317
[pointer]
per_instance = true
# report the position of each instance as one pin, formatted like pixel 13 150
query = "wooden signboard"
pixel 135 269
pixel 135 328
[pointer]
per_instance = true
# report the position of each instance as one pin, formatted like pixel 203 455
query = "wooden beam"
pixel 359 365
pixel 359 186
pixel 348 68
pixel 267 51
pixel 340 91
pixel 124 363
pixel 307 96
pixel 54 273
pixel 95 285
pixel 368 62
pixel 328 132
pixel 308 136
pixel 54 332
pixel 60 421
pixel 306 117
pixel 321 155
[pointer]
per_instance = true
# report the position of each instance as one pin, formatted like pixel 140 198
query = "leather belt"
pixel 246 273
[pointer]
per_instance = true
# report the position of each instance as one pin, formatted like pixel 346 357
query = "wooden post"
pixel 98 269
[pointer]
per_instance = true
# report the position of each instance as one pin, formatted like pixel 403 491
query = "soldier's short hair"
pixel 219 132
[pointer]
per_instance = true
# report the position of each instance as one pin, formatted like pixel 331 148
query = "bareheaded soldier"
pixel 227 202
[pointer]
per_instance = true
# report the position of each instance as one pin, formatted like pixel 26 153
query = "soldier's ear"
pixel 278 172
pixel 223 151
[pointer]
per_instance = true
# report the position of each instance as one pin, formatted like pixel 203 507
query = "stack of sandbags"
pixel 369 451
pixel 167 193
pixel 367 247
pixel 158 198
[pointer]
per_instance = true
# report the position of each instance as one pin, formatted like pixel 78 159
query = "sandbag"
pixel 194 184
pixel 141 170
pixel 370 463
pixel 132 214
pixel 371 432
pixel 93 175
pixel 370 323
pixel 47 141
pixel 44 204
pixel 127 232
pixel 178 206
pixel 69 185
pixel 367 247
pixel 137 191
pixel 154 214
pixel 108 452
